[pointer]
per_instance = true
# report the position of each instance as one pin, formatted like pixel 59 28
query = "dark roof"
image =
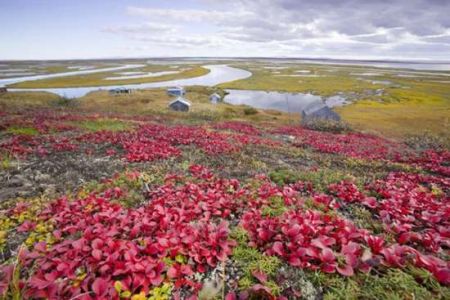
pixel 319 111
pixel 181 100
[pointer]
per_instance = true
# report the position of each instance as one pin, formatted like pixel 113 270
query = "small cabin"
pixel 176 91
pixel 214 98
pixel 119 91
pixel 180 104
pixel 3 90
pixel 319 111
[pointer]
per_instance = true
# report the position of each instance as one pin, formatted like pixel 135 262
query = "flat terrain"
pixel 389 102
pixel 100 79
pixel 108 197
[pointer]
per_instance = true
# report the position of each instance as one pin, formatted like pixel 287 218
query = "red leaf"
pixel 97 254
pixel 231 296
pixel 278 248
pixel 39 283
pixel 99 287
pixel 172 272
pixel 443 276
pixel 345 270
pixel 328 255
pixel 261 276
pixel 186 270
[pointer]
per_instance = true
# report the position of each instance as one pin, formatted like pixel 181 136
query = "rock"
pixel 41 177
pixel 16 181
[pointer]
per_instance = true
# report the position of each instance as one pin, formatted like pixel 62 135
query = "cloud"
pixel 298 28
pixel 186 15
pixel 147 27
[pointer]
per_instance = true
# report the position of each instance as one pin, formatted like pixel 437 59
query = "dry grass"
pixel 398 119
pixel 27 100
pixel 155 102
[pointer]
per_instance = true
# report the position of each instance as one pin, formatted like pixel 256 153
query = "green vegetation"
pixel 407 106
pixel 250 111
pixel 318 81
pixel 399 119
pixel 251 261
pixel 22 130
pixel 395 284
pixel 320 179
pixel 104 124
pixel 27 100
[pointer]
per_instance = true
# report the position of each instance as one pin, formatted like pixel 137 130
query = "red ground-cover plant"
pixel 366 146
pixel 310 239
pixel 434 161
pixel 350 144
pixel 98 242
pixel 163 141
pixel 415 208
pixel 313 240
pixel 348 192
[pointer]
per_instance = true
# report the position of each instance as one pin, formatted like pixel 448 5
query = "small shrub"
pixel 250 111
pixel 145 101
pixel 327 125
pixel 229 112
pixel 63 101
pixel 283 176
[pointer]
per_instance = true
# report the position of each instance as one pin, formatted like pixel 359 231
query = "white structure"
pixel 214 98
pixel 180 104
pixel 118 91
pixel 176 91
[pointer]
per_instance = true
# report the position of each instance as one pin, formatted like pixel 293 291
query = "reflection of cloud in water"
pixel 145 75
pixel 288 102
pixel 367 74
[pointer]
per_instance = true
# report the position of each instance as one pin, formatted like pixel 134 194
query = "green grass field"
pixel 409 106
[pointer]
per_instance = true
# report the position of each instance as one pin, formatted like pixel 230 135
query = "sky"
pixel 346 29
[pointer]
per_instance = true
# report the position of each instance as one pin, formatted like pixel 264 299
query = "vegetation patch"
pixel 104 124
pixel 22 130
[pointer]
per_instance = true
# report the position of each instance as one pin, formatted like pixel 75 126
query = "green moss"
pixel 104 124
pixel 251 260
pixel 275 208
pixel 394 284
pixel 320 179
pixel 283 176
pixel 22 130
pixel 240 235
pixel 363 218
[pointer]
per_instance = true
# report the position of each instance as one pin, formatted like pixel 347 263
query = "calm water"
pixel 287 102
pixel 218 74
pixel 7 81
pixel 413 65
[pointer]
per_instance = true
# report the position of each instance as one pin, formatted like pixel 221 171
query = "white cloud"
pixel 297 28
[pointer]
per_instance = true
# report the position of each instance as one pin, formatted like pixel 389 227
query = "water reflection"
pixel 287 102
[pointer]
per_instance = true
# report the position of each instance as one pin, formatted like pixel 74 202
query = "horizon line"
pixel 380 59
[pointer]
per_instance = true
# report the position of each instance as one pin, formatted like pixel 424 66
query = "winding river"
pixel 218 74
